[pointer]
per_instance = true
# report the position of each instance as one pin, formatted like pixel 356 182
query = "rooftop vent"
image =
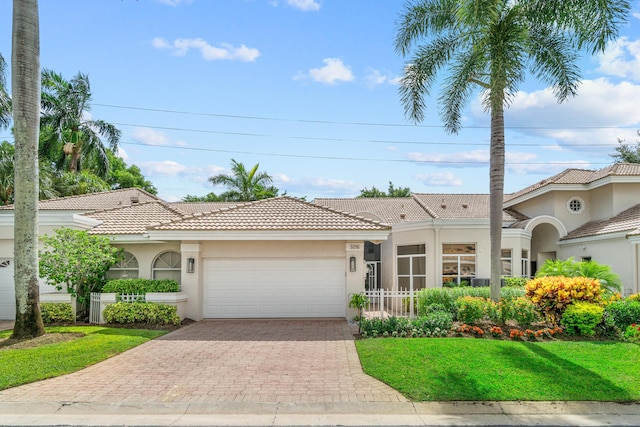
pixel 443 205
pixel 134 200
pixel 465 205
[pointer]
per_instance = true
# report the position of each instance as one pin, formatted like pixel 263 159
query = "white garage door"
pixel 7 291
pixel 261 287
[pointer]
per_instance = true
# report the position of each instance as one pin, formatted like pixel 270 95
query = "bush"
pixel 623 313
pixel 141 312
pixel 436 323
pixel 569 268
pixel 632 333
pixel 522 311
pixel 515 281
pixel 140 286
pixel 57 312
pixel 581 318
pixel 634 297
pixel 448 296
pixel 470 309
pixel 553 294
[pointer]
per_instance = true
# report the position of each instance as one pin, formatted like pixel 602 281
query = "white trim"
pixel 547 219
pixel 600 237
pixel 579 200
pixel 268 235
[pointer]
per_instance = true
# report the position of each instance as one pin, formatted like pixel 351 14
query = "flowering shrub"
pixel 468 329
pixel 530 334
pixel 471 309
pixel 634 297
pixel 552 294
pixel 581 318
pixel 632 333
pixel 516 334
pixel 496 331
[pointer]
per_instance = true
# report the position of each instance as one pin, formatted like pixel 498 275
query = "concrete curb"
pixel 321 414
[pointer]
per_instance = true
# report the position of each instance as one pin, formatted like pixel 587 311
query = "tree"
pixel 210 197
pixel 77 261
pixel 7 161
pixel 490 46
pixel 5 100
pixel 245 185
pixel 25 83
pixel 626 153
pixel 392 192
pixel 84 182
pixel 123 176
pixel 69 134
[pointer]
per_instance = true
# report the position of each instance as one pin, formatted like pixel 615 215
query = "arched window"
pixel 167 266
pixel 126 268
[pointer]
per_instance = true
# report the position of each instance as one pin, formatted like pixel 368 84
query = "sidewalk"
pixel 322 414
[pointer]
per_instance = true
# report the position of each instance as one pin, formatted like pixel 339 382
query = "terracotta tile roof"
pixel 389 209
pixel 195 207
pixel 461 206
pixel 581 176
pixel 132 219
pixel 279 213
pixel 628 220
pixel 95 201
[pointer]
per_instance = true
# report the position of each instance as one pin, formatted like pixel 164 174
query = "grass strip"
pixel 445 369
pixel 22 366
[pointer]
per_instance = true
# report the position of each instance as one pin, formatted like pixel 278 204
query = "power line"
pixel 277 119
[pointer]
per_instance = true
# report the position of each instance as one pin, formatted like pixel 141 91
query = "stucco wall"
pixel 147 253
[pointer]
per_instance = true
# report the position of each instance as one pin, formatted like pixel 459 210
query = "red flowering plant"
pixel 516 334
pixel 632 333
pixel 478 332
pixel 530 334
pixel 496 331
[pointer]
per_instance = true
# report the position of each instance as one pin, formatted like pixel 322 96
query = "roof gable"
pixel 391 210
pixel 628 220
pixel 282 213
pixel 133 219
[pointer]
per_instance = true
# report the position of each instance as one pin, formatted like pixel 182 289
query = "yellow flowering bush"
pixel 552 294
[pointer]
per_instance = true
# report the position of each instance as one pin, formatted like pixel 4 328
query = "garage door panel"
pixel 7 290
pixel 274 288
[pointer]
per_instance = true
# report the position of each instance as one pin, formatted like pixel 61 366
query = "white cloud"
pixel 149 136
pixel 548 168
pixel 514 161
pixel 377 77
pixel 164 168
pixel 621 59
pixel 225 51
pixel 333 71
pixel 440 179
pixel 122 154
pixel 304 5
pixel 174 2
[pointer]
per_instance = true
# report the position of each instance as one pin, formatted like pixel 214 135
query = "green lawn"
pixel 22 366
pixel 432 369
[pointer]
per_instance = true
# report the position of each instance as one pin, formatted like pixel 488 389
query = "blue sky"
pixel 307 88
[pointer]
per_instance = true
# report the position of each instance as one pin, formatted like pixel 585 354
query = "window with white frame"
pixel 126 268
pixel 524 260
pixel 167 265
pixel 458 262
pixel 412 266
pixel 506 262
pixel 575 205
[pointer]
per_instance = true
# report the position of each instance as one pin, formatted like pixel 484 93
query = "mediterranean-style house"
pixel 284 257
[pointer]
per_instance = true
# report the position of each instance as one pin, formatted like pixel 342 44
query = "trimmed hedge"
pixel 623 313
pixel 448 296
pixel 581 318
pixel 141 312
pixel 140 286
pixel 57 312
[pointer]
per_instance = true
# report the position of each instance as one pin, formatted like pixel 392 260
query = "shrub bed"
pixel 57 312
pixel 581 318
pixel 553 294
pixel 141 312
pixel 623 313
pixel 140 286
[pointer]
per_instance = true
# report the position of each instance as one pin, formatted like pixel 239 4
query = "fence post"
pixel 382 303
pixel 411 303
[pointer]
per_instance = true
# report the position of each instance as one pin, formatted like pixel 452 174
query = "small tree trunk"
pixel 496 196
pixel 25 60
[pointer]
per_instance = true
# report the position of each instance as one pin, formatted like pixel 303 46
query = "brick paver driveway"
pixel 225 360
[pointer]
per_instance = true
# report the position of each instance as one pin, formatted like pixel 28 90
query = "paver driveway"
pixel 225 360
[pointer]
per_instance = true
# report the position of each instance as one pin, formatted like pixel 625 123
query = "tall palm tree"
pixel 69 130
pixel 5 100
pixel 25 83
pixel 491 45
pixel 245 185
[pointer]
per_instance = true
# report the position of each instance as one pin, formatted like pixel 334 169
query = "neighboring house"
pixel 284 257
pixel 439 238
pixel 279 257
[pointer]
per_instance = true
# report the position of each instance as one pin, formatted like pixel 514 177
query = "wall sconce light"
pixel 352 264
pixel 191 265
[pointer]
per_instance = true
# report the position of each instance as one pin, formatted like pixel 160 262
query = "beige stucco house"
pixel 285 257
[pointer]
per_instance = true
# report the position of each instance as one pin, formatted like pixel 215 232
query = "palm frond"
pixel 420 19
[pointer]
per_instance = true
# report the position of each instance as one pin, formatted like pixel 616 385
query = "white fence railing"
pixel 391 303
pixel 94 308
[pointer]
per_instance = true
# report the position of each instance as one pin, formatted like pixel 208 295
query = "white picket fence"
pixel 95 306
pixel 385 303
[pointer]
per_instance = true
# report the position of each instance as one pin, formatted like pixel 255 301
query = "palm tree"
pixel 25 83
pixel 5 100
pixel 68 129
pixel 245 185
pixel 7 187
pixel 491 45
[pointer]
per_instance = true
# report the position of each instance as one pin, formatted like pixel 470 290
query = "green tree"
pixel 25 83
pixel 69 135
pixel 5 100
pixel 245 185
pixel 74 184
pixel 123 176
pixel 570 268
pixel 626 153
pixel 210 197
pixel 78 262
pixel 7 161
pixel 491 45
pixel 391 192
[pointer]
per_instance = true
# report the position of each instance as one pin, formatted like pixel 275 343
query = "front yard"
pixel 27 362
pixel 439 369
